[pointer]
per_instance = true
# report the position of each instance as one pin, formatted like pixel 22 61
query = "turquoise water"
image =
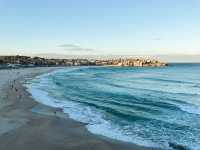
pixel 146 106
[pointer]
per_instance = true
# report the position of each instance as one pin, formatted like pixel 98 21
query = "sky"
pixel 100 27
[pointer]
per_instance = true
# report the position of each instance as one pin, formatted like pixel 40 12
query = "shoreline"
pixel 23 119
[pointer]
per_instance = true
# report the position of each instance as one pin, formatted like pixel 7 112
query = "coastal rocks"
pixel 177 146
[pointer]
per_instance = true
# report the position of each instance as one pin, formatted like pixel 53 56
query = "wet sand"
pixel 28 125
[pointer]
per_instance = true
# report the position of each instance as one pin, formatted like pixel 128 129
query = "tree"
pixel 1 61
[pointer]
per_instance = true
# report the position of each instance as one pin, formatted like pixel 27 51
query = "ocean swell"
pixel 129 112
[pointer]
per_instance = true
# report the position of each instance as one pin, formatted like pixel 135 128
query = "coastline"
pixel 21 128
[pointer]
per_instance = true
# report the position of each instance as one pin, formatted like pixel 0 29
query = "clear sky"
pixel 85 27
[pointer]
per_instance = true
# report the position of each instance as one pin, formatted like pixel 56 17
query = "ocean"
pixel 146 106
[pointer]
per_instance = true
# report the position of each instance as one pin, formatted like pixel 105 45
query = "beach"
pixel 47 128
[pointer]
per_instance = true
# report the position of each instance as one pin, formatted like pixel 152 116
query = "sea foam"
pixel 92 117
pixel 154 133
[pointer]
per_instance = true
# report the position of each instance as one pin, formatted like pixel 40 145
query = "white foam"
pixel 42 97
pixel 96 120
pixel 93 117
pixel 191 109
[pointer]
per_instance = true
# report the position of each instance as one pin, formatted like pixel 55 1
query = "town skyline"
pixel 173 58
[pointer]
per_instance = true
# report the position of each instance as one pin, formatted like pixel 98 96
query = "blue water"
pixel 146 106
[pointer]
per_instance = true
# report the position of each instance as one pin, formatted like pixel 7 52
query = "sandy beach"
pixel 23 129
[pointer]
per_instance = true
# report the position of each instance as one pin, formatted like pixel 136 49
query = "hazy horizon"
pixel 165 58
